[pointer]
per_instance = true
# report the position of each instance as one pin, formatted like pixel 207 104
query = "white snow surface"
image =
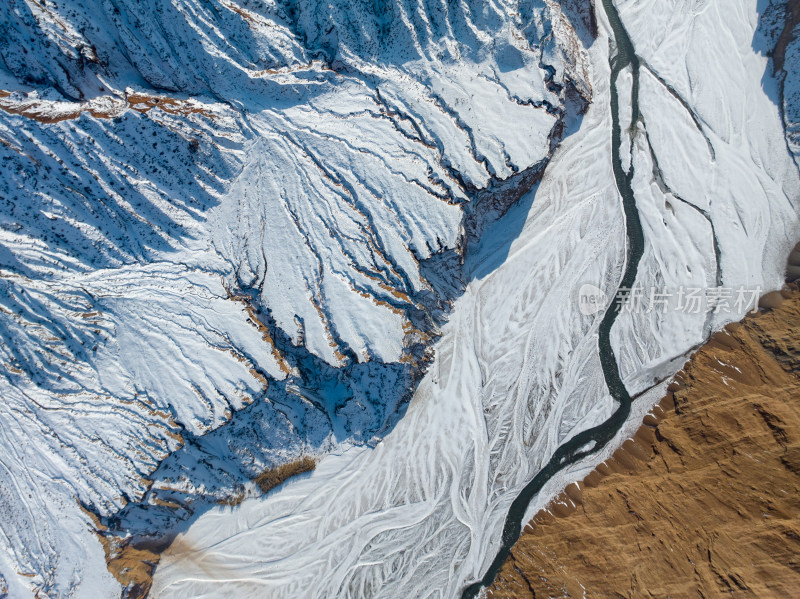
pixel 516 372
pixel 193 190
pixel 211 163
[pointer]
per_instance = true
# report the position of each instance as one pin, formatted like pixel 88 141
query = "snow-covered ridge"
pixel 207 205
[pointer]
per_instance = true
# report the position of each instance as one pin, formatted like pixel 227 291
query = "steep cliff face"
pixel 703 501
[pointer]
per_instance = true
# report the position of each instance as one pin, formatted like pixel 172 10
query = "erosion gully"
pixel 592 440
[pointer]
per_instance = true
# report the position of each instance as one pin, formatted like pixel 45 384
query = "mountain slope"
pixel 213 205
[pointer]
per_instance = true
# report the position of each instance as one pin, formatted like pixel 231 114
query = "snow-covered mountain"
pixel 235 232
pixel 213 205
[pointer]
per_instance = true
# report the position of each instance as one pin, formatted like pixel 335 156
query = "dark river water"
pixel 593 439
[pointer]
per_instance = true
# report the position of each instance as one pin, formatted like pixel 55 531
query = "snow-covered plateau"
pixel 238 232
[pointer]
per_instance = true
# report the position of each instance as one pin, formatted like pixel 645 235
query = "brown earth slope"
pixel 705 502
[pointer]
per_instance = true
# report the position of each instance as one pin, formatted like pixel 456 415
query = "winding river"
pixel 593 439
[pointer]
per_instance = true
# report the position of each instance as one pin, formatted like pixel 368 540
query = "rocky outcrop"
pixel 793 264
pixel 780 26
pixel 703 501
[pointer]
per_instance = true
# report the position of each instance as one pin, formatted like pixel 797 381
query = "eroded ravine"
pixel 592 440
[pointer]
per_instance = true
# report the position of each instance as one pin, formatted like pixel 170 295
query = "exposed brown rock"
pixel 104 107
pixel 134 563
pixel 704 501
pixel 787 34
pixel 132 567
pixel 269 479
pixel 793 264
